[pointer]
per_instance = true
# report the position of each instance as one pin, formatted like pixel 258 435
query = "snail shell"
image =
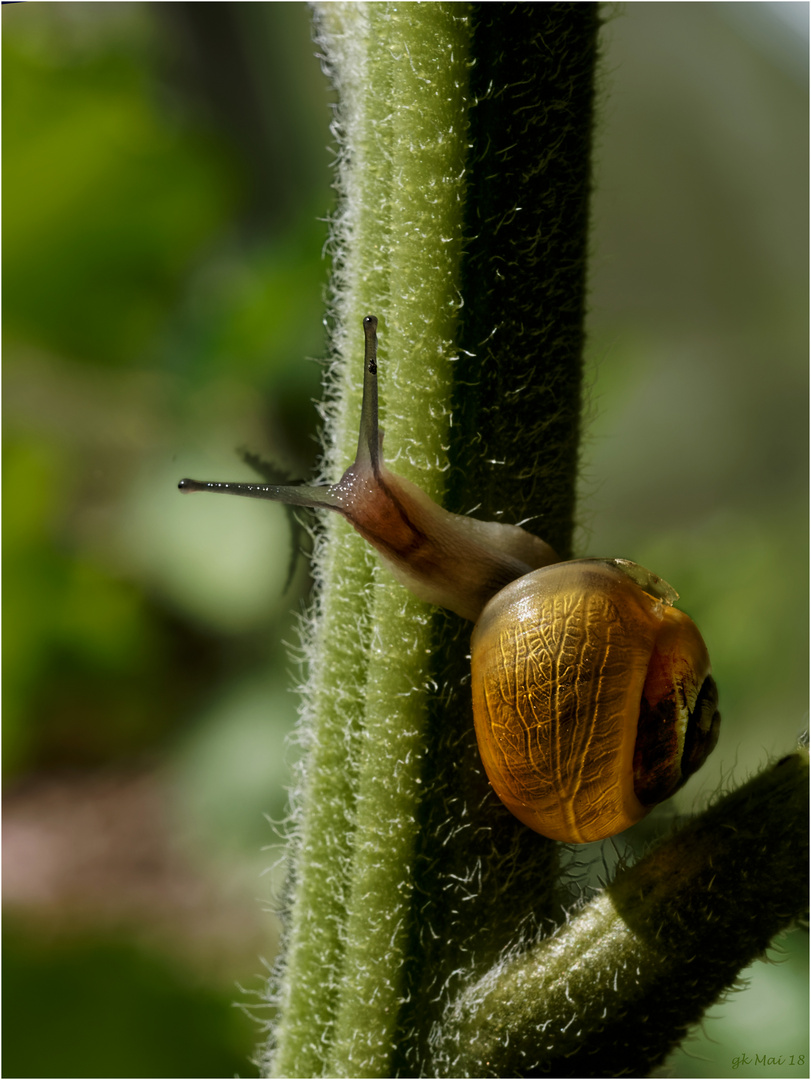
pixel 592 694
pixel 592 697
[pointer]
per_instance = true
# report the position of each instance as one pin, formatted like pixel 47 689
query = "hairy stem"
pixel 402 74
pixel 443 187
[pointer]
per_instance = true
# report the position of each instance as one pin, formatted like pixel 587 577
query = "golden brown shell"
pixel 564 661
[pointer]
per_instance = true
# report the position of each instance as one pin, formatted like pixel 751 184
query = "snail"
pixel 592 694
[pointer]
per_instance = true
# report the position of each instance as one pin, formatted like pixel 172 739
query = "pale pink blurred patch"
pixel 101 852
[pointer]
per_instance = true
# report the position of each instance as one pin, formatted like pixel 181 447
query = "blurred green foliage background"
pixel 166 180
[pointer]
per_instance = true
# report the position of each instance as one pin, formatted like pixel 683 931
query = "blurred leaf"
pixel 233 767
pixel 110 1009
pixel 106 200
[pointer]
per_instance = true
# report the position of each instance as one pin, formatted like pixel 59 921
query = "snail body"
pixel 592 694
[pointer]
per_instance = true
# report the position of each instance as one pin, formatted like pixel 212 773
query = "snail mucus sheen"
pixel 592 694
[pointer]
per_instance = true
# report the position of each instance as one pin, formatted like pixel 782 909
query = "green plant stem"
pixel 622 981
pixel 366 968
pixel 342 990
